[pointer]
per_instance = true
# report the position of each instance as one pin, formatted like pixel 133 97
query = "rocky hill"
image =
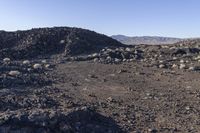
pixel 50 41
pixel 145 40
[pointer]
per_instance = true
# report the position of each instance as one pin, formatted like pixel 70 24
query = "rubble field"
pixel 107 89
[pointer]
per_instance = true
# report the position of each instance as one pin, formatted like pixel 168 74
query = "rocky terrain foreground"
pixel 69 80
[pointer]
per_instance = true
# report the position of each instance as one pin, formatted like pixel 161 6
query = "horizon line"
pixel 110 35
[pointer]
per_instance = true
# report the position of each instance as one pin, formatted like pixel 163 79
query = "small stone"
pixel 84 108
pixel 37 66
pixel 191 68
pixel 165 46
pixel 172 48
pixel 152 130
pixel 117 60
pixel 131 60
pixel 109 99
pixel 108 58
pixel 128 49
pixel 197 58
pixel 95 55
pixel 187 108
pixel 182 66
pixel 130 89
pixel 6 60
pixel 44 61
pixel 121 71
pixel 148 94
pixel 62 41
pixel 84 89
pixel 174 66
pixel 29 69
pixel 47 66
pixel 135 52
pixel 182 61
pixel 112 75
pixel 188 87
pixel 96 60
pixel 161 66
pixel 26 62
pixel 14 73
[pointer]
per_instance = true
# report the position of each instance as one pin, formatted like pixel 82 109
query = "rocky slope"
pixel 145 40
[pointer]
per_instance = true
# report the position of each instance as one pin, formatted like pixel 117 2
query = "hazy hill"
pixel 145 40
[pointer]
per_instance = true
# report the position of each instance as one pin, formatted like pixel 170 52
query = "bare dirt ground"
pixel 138 98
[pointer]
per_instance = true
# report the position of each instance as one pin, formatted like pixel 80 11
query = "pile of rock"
pixel 111 56
pixel 26 73
pixel 45 42
pixel 119 55
pixel 184 56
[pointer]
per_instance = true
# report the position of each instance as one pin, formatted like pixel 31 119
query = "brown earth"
pixel 138 98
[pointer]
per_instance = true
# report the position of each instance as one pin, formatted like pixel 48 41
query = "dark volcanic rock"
pixel 183 51
pixel 50 41
pixel 179 52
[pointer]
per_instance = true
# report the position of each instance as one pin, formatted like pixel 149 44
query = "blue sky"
pixel 174 18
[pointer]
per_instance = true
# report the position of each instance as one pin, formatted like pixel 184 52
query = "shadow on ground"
pixel 81 121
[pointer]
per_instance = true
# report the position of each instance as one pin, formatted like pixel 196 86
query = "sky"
pixel 170 18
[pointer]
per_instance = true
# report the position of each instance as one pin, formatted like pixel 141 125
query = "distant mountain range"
pixel 145 40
